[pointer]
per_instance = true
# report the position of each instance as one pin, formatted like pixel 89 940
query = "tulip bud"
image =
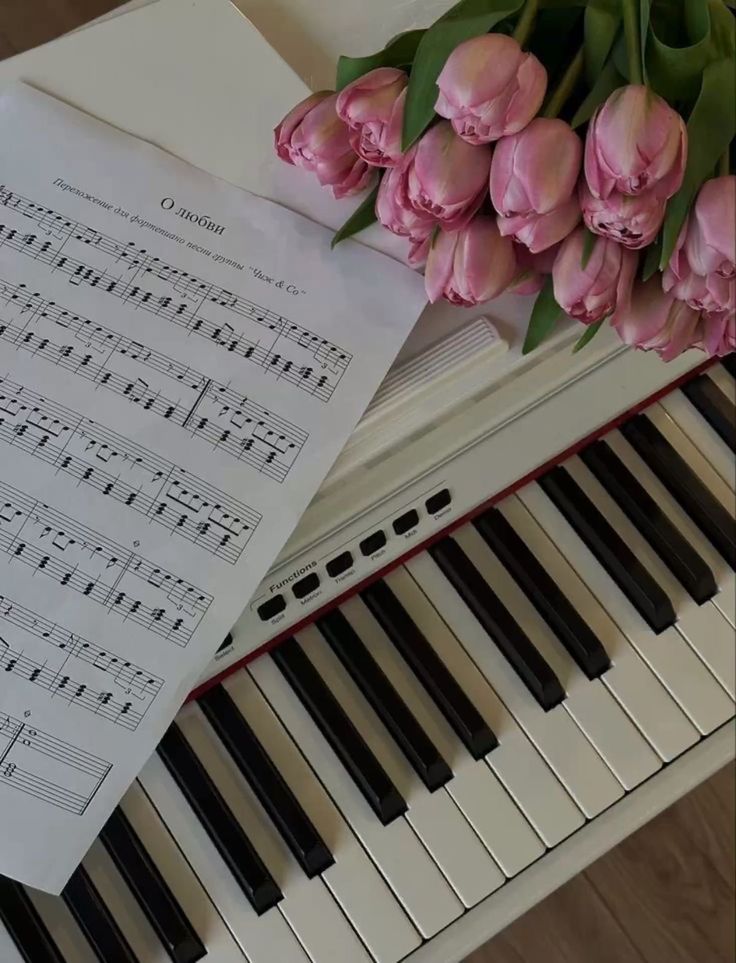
pixel 701 270
pixel 631 221
pixel 373 108
pixel 636 143
pixel 313 137
pixel 393 208
pixel 490 88
pixel 445 177
pixel 471 265
pixel 532 269
pixel 595 291
pixel 541 231
pixel 653 320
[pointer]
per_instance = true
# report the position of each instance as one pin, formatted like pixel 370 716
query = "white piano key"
pixel 703 626
pixel 725 601
pixel 363 894
pixel 590 704
pixel 629 678
pixel 475 787
pixel 723 380
pixel 179 875
pixel 9 952
pixel 576 763
pixel 259 937
pixel 123 908
pixel 63 928
pixel 516 760
pixel 671 658
pixel 396 850
pixel 308 906
pixel 686 416
pixel 689 452
pixel 446 834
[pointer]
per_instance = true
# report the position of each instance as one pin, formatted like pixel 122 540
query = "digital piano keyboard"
pixel 501 639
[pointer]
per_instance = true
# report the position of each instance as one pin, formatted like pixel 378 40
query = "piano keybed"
pixel 401 761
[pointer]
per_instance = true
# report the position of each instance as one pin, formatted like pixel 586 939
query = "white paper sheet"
pixel 171 396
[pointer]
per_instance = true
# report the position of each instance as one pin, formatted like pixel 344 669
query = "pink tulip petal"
pixel 440 261
pixel 527 99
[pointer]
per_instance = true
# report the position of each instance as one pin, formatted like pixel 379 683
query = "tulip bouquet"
pixel 575 150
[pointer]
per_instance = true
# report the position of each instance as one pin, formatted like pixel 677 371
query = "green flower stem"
pixel 566 86
pixel 526 22
pixel 633 46
pixel 724 164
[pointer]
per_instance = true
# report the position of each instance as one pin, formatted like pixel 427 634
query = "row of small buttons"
pixel 342 563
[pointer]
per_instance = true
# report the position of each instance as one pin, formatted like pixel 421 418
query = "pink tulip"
pixel 313 137
pixel 636 142
pixel 471 265
pixel 445 177
pixel 702 271
pixel 653 320
pixel 373 108
pixel 532 269
pixel 603 286
pixel 490 88
pixel 394 210
pixel 631 221
pixel 535 171
pixel 541 231
pixel 719 336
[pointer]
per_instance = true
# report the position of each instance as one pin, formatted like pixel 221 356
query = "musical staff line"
pixel 64 776
pixel 56 546
pixel 199 303
pixel 87 660
pixel 162 492
pixel 210 410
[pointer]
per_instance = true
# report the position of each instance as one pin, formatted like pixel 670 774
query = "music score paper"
pixel 180 364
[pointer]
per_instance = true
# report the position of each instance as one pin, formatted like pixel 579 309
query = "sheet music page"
pixel 180 364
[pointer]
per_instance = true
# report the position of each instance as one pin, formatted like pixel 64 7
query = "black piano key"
pixel 348 745
pixel 266 782
pixel 25 926
pixel 714 406
pixel 370 678
pixel 215 815
pixel 648 518
pixel 684 485
pixel 469 725
pixel 642 590
pixel 151 890
pixel 95 920
pixel 516 647
pixel 540 588
pixel 729 363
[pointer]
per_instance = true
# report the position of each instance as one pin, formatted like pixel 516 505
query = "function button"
pixel 339 564
pixel 406 521
pixel 274 606
pixel 373 543
pixel 227 643
pixel 306 585
pixel 435 503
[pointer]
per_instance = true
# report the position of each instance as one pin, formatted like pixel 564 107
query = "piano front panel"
pixel 406 775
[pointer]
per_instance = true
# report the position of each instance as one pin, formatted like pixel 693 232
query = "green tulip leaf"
pixel 590 332
pixel 651 259
pixel 545 315
pixel 608 80
pixel 361 218
pixel 588 247
pixel 675 71
pixel 469 18
pixel 644 17
pixel 710 129
pixel 398 52
pixel 600 29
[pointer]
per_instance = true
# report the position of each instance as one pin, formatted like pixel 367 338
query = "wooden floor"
pixel 666 894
